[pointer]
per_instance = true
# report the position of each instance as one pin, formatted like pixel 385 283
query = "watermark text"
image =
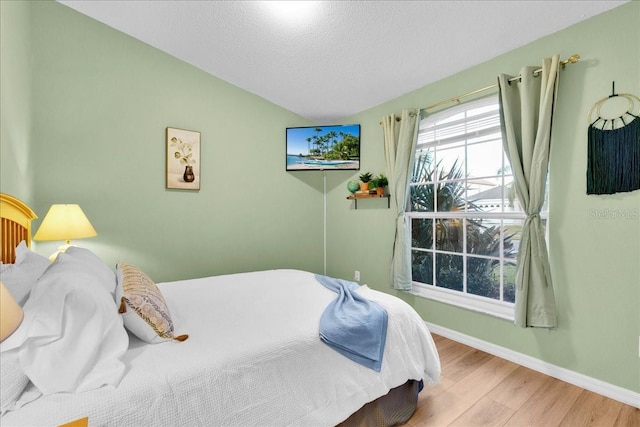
pixel 614 213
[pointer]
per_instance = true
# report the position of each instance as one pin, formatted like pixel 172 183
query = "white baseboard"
pixel 583 381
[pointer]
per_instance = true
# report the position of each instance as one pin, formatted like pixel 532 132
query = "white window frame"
pixel 489 306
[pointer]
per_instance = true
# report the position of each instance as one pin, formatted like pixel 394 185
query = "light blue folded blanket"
pixel 353 325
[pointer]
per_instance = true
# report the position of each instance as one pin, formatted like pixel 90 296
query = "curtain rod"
pixel 570 60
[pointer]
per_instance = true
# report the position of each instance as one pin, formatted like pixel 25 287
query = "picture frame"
pixel 320 148
pixel 183 159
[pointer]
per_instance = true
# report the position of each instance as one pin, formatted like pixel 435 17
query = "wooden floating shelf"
pixel 356 197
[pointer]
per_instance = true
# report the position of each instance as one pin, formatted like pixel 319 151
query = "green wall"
pixel 16 172
pixel 101 102
pixel 595 262
pixel 84 122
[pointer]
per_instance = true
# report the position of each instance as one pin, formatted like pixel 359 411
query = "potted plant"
pixel 381 182
pixel 365 178
pixel 373 185
pixel 184 153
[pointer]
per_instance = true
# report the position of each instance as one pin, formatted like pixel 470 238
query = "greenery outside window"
pixel 465 218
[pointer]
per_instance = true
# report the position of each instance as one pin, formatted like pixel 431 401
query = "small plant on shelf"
pixel 365 178
pixel 381 182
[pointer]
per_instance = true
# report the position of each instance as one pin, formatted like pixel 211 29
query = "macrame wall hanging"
pixel 613 163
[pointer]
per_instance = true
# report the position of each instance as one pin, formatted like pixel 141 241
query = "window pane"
pixel 483 237
pixel 485 195
pixel 422 267
pixel 449 235
pixel 450 163
pixel 512 237
pixel 484 159
pixel 449 271
pixel 422 233
pixel 509 280
pixel 450 195
pixel 483 277
pixel 423 167
pixel 421 197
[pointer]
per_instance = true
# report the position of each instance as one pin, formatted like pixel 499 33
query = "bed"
pixel 243 349
pixel 15 226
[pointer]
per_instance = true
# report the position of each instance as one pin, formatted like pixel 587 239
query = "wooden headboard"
pixel 15 226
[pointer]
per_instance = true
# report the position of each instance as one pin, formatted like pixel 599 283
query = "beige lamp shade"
pixel 65 222
pixel 10 313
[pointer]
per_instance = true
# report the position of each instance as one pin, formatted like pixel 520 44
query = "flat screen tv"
pixel 335 147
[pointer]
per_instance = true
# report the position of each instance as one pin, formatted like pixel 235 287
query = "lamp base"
pixel 62 248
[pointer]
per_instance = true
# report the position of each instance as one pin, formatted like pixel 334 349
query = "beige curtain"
pixel 526 112
pixel 399 151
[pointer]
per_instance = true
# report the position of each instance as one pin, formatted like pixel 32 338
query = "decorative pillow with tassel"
pixel 144 310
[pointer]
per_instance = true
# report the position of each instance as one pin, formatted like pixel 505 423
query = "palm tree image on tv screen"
pixel 323 148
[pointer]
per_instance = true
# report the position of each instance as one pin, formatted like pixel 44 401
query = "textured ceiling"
pixel 343 57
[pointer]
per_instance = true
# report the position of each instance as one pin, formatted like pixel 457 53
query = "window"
pixel 465 218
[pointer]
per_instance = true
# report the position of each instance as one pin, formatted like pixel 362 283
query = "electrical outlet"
pixel 356 276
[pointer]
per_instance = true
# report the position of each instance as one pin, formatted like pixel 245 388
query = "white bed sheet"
pixel 253 357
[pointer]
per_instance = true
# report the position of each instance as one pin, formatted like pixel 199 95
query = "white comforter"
pixel 253 357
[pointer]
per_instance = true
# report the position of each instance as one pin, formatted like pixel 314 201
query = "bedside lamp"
pixel 64 222
pixel 11 314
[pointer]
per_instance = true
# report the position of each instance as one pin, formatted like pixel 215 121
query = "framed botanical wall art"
pixel 183 159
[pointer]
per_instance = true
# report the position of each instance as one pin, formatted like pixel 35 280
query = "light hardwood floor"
pixel 479 389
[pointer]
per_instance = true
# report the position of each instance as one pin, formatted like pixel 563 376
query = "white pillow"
pixel 13 380
pixel 103 272
pixel 75 338
pixel 20 277
pixel 143 308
